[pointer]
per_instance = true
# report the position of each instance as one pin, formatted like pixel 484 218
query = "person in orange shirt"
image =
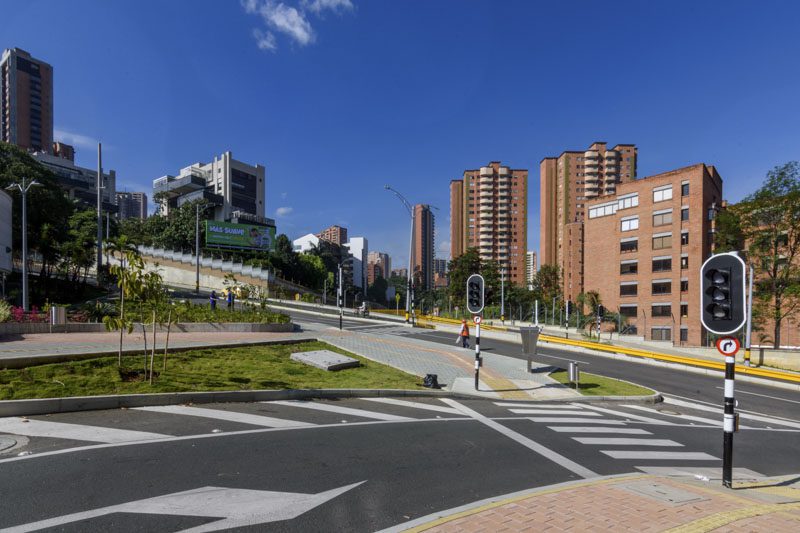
pixel 464 333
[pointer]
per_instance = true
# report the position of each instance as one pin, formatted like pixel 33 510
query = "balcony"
pixel 591 155
pixel 173 186
pixel 487 171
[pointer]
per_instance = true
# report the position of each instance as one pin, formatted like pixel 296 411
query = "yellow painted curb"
pixel 714 521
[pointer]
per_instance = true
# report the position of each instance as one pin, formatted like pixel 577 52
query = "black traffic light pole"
pixel 475 302
pixel 724 313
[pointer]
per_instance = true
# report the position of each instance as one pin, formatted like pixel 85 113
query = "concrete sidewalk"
pixel 631 502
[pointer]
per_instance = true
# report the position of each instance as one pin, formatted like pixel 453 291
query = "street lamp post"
pixel 100 188
pixel 23 188
pixel 410 276
pixel 502 295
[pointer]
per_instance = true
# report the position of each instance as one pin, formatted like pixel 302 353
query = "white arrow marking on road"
pixel 234 507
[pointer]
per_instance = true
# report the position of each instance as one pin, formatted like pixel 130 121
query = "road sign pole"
pixel 728 423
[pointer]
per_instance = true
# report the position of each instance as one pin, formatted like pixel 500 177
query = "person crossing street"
pixel 464 334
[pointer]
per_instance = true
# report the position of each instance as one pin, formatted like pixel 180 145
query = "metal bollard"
pixel 574 374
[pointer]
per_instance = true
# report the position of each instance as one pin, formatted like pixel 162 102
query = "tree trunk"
pixel 144 332
pixel 166 344
pixel 777 317
pixel 122 323
pixel 153 352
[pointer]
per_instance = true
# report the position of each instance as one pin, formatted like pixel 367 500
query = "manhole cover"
pixel 664 493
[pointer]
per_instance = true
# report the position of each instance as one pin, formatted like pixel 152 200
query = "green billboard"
pixel 230 235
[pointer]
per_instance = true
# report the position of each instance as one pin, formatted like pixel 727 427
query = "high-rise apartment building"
pixel 132 205
pixel 489 212
pixel 235 189
pixel 379 264
pixel 530 269
pixel 643 250
pixel 567 182
pixel 423 246
pixel 26 101
pixel 335 234
pixel 440 273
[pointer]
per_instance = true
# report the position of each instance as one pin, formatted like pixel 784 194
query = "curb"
pixel 35 360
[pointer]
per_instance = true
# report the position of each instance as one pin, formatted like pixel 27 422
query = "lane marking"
pixel 739 391
pixel 708 421
pixel 573 420
pixel 626 442
pixel 537 406
pixel 230 416
pixel 557 458
pixel 549 412
pixel 341 410
pixel 60 430
pixel 630 416
pixel 415 405
pixel 580 429
pixel 742 414
pixel 660 456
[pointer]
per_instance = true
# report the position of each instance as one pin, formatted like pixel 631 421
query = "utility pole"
pixel 99 207
pixel 24 188
pixel 502 295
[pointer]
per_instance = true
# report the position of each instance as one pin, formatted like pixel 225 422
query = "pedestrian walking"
pixel 464 334
pixel 213 300
pixel 230 299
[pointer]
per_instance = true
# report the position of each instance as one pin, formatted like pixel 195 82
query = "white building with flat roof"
pixel 305 243
pixel 359 249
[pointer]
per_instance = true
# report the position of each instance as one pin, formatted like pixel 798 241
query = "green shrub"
pixel 5 311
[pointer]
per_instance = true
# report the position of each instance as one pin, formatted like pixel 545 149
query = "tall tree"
pixel 547 283
pixel 766 224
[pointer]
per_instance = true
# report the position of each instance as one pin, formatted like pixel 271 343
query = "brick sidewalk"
pixel 633 503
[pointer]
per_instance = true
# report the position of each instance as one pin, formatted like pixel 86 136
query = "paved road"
pixel 384 463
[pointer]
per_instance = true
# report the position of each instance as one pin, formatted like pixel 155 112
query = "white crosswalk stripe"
pixel 626 442
pixel 659 456
pixel 60 430
pixel 341 410
pixel 575 420
pixel 416 405
pixel 548 412
pixel 629 416
pixel 743 415
pixel 537 406
pixel 580 429
pixel 229 416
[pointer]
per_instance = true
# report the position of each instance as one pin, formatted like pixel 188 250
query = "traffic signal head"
pixel 475 294
pixel 723 294
pixel 601 311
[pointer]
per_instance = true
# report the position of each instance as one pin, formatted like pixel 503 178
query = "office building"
pixel 423 246
pixel 335 234
pixel 400 273
pixel 567 182
pixel 530 269
pixel 131 205
pixel 644 247
pixel 489 212
pixel 234 189
pixel 26 101
pixel 359 250
pixel 80 183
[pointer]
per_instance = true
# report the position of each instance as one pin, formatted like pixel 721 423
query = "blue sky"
pixel 339 97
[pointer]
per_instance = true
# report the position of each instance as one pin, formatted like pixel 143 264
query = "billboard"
pixel 230 235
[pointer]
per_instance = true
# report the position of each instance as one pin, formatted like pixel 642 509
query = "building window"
pixel 661 310
pixel 629 311
pixel 684 334
pixel 684 263
pixel 662 194
pixel 660 334
pixel 663 264
pixel 662 219
pixel 684 192
pixel 626 202
pixel 662 287
pixel 662 242
pixel 684 310
pixel 684 238
pixel 685 213
pixel 631 289
pixel 684 285
pixel 629 267
pixel 629 224
pixel 629 246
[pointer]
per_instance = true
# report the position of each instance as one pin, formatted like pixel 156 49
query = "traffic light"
pixel 569 307
pixel 723 293
pixel 601 311
pixel 475 294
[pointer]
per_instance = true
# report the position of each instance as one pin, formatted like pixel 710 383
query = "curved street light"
pixel 24 188
pixel 410 278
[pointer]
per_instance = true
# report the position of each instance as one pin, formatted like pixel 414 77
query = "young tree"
pixel 766 224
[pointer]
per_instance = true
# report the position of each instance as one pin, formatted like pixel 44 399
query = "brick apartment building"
pixel 335 234
pixel 643 248
pixel 26 101
pixel 567 183
pixel 489 212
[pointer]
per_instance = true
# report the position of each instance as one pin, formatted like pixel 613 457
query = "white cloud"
pixel 317 6
pixel 283 211
pixel 265 41
pixel 75 139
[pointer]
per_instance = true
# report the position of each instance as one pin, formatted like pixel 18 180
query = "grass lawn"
pixel 594 385
pixel 249 368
